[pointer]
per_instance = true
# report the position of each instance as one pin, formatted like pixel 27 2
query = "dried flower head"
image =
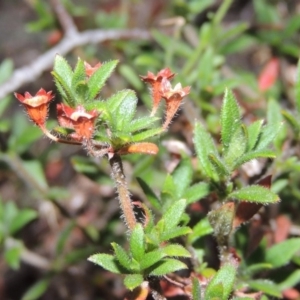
pixel 78 119
pixel 89 70
pixel 173 97
pixel 36 106
pixel 156 83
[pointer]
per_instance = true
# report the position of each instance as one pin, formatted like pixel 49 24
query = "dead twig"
pixel 33 70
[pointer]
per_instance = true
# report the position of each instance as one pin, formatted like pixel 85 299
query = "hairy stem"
pixel 124 197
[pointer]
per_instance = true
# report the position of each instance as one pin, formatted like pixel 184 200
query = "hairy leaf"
pixel 167 266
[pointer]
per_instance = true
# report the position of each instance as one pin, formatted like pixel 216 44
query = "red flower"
pixel 156 83
pixel 89 70
pixel 78 119
pixel 36 106
pixel 173 97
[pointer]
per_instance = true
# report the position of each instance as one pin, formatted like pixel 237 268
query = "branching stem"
pixel 124 196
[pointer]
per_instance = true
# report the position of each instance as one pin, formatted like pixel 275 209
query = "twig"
pixel 33 70
pixel 64 18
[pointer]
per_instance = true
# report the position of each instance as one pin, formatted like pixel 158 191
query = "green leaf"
pixel 291 281
pixel 201 229
pixel 167 266
pixel 151 258
pixel 63 75
pixel 172 216
pixel 79 75
pixel 175 250
pixel 196 289
pixel 182 176
pixel 99 77
pixel 144 135
pixel 236 147
pixel 106 261
pixel 254 155
pixel 36 290
pixel 64 89
pixel 152 198
pixel 226 277
pixel 215 293
pixel 63 236
pixel 292 121
pixel 137 242
pixel 204 146
pixel 289 248
pixel 230 119
pixel 125 112
pixel 174 232
pixel 268 134
pixel 131 76
pixel 63 69
pixel 6 69
pixel 12 256
pixel 23 217
pixel 254 193
pixel 253 133
pixel 122 256
pixel 219 165
pixel 265 286
pixel 36 172
pixel 168 190
pixel 196 192
pixel 114 101
pixel 133 280
pixel 141 123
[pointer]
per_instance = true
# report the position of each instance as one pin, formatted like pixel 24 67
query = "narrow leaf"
pixel 225 276
pixel 219 165
pixel 201 229
pixel 138 137
pixel 99 77
pixel 172 216
pixel 137 242
pixel 196 192
pixel 36 290
pixel 168 265
pixel 122 256
pixel 205 146
pixel 175 232
pixel 268 134
pixel 175 250
pixel 23 217
pixel 265 286
pixel 106 261
pixel 253 133
pixel 230 118
pixel 255 193
pixel 125 112
pixel 237 147
pixel 289 248
pixel 291 281
pixel 151 258
pixel 182 176
pixel 142 123
pixel 254 155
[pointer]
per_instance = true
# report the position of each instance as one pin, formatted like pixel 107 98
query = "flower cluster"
pixel 162 89
pixel 77 119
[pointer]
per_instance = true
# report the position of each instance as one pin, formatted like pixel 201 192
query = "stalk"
pixel 123 193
